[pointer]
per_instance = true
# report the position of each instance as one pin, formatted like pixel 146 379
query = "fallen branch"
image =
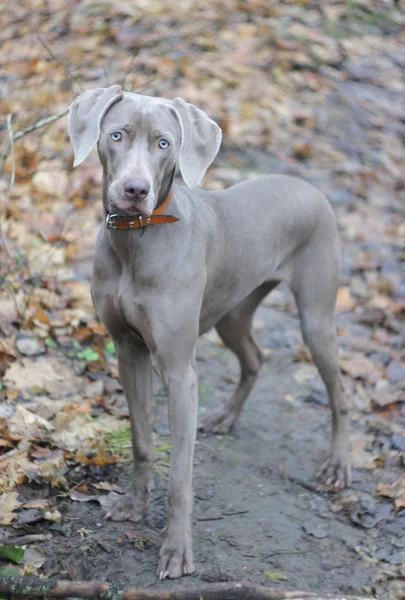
pixel 22 540
pixel 60 61
pixel 32 587
pixel 29 129
pixel 11 144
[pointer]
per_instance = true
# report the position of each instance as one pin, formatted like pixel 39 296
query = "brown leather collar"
pixel 157 218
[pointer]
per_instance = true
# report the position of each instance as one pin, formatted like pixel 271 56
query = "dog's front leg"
pixel 135 371
pixel 176 554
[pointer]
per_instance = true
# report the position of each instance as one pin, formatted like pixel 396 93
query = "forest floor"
pixel 308 88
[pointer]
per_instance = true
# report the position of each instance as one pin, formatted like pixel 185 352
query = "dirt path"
pixel 257 507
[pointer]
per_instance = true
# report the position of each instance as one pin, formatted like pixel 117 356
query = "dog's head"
pixel 140 140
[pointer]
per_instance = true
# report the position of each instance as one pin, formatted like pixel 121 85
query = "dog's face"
pixel 140 139
pixel 138 149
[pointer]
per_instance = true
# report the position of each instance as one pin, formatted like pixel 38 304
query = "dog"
pixel 171 262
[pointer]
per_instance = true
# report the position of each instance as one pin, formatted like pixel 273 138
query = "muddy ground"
pixel 254 511
pixel 257 504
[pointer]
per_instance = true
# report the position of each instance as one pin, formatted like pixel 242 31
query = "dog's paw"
pixel 127 508
pixel 220 421
pixel 336 472
pixel 176 557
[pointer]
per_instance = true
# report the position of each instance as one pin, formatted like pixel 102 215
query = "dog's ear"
pixel 85 116
pixel 200 141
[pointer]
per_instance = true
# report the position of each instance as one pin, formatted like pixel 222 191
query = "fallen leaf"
pixel 40 504
pixel 303 150
pixel 33 561
pixel 7 355
pixel 88 354
pixel 344 301
pixel 80 497
pixel 276 575
pixel 358 366
pixel 25 424
pixel 302 354
pixel 395 490
pixel 54 516
pixel 49 183
pixel 13 553
pixel 27 374
pixel 8 504
pixel 100 458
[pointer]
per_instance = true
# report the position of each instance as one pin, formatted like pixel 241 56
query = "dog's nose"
pixel 136 188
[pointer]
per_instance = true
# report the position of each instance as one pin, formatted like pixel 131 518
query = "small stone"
pixel 28 346
pixel 30 517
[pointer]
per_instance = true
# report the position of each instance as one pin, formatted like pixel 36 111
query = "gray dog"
pixel 171 263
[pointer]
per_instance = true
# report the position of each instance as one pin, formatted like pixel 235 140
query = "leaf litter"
pixel 267 73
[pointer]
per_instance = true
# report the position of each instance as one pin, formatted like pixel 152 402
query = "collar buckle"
pixel 110 221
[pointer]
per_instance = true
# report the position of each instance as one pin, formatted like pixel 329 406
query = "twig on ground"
pixel 30 587
pixel 276 552
pixel 305 484
pixel 37 125
pixel 11 144
pixel 58 60
pixel 22 540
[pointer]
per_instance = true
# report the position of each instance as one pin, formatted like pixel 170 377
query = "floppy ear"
pixel 85 116
pixel 200 141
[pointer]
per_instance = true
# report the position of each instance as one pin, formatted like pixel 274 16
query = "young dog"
pixel 172 262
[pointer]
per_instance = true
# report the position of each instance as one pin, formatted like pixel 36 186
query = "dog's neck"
pixel 165 190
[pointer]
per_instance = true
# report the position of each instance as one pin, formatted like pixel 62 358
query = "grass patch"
pixel 119 443
pixel 162 461
pixel 364 16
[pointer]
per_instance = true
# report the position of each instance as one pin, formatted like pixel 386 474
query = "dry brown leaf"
pixel 40 504
pixel 28 373
pixel 394 490
pixel 80 295
pixel 302 354
pixel 84 408
pixel 362 459
pixel 50 183
pixel 27 425
pixel 37 314
pixel 26 160
pixel 16 466
pixel 303 150
pixel 344 301
pixel 8 504
pixel 54 516
pixel 7 354
pixel 73 433
pixel 358 366
pixel 385 398
pixel 100 459
pixel 97 328
pixel 400 502
pixel 6 443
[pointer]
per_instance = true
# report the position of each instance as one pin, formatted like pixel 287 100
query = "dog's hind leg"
pixel 235 330
pixel 314 284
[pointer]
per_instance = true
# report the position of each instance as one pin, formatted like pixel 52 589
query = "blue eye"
pixel 164 144
pixel 116 136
